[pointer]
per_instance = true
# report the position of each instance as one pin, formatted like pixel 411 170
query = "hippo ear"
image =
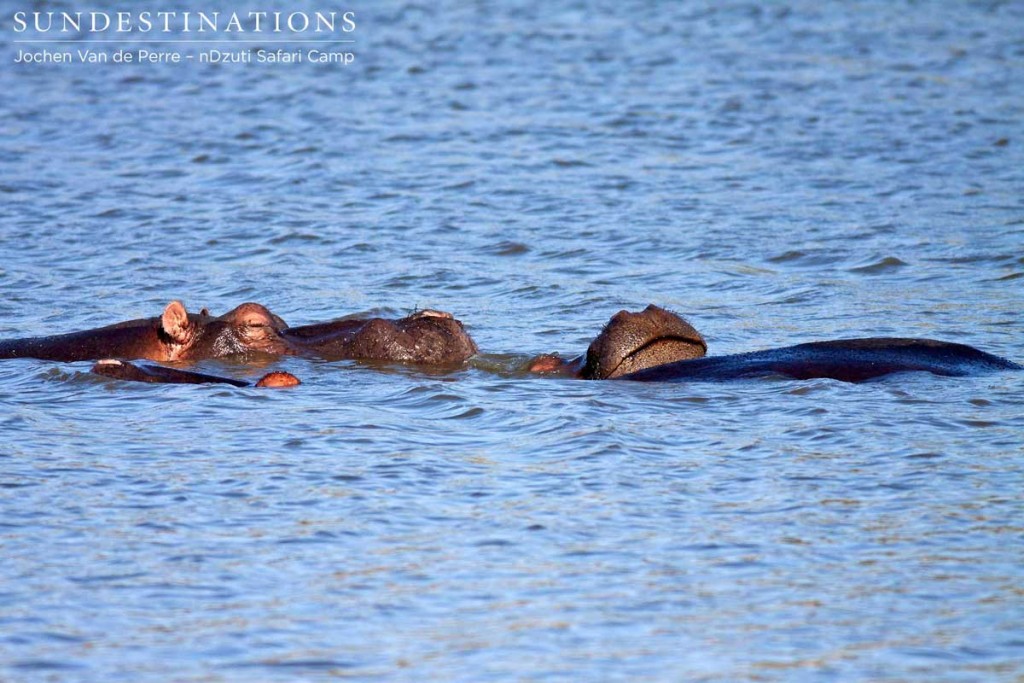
pixel 175 322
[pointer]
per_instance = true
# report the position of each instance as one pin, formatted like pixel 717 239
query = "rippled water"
pixel 775 173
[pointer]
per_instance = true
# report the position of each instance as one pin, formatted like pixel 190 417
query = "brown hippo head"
pixel 628 343
pixel 636 341
pixel 246 328
pixel 174 335
pixel 426 337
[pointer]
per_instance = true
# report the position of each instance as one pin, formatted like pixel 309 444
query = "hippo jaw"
pixel 636 341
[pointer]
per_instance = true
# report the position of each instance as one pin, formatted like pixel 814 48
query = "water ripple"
pixel 776 174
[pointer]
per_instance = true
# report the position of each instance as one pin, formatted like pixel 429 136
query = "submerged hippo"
pixel 173 336
pixel 656 345
pixel 134 372
pixel 425 337
pixel 628 343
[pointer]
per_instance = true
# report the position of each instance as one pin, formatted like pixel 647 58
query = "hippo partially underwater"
pixel 160 374
pixel 655 345
pixel 425 337
pixel 175 335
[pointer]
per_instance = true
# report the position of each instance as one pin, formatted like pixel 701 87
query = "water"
pixel 777 174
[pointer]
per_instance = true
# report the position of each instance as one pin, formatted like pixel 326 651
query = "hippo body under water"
pixel 173 336
pixel 847 360
pixel 159 374
pixel 655 345
pixel 426 337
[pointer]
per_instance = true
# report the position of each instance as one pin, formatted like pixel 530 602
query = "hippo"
pixel 656 345
pixel 426 337
pixel 135 372
pixel 174 336
pixel 630 342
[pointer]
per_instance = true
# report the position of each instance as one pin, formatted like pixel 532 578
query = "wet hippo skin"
pixel 628 343
pixel 848 360
pixel 174 335
pixel 656 345
pixel 159 374
pixel 635 341
pixel 425 337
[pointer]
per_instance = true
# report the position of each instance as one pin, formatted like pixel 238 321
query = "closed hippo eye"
pixel 252 315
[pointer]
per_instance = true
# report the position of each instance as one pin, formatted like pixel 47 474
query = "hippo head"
pixel 247 328
pixel 636 341
pixel 426 337
pixel 174 335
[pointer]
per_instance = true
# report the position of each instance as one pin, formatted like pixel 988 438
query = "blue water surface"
pixel 777 173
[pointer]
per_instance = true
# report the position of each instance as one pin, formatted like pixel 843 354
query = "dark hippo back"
pixel 848 360
pixel 134 339
pixel 157 374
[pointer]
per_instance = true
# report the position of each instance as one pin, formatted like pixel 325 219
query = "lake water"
pixel 775 173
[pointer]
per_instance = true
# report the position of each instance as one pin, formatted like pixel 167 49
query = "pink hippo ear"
pixel 175 322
